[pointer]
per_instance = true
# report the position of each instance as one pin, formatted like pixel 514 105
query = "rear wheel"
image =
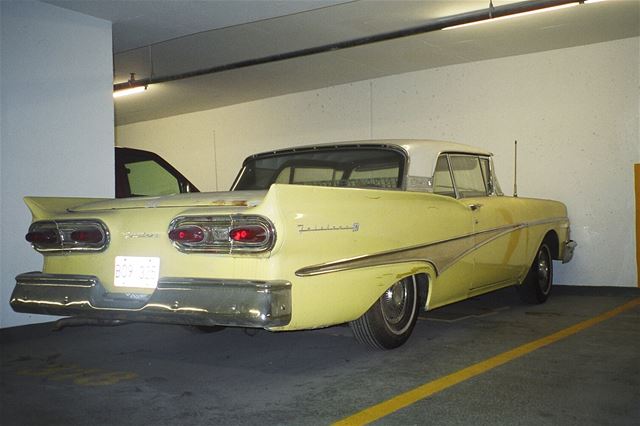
pixel 537 284
pixel 390 321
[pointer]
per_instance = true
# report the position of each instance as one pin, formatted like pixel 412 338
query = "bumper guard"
pixel 569 248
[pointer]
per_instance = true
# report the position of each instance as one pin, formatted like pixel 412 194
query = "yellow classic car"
pixel 365 233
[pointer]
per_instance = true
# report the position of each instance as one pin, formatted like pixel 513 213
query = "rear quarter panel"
pixel 318 226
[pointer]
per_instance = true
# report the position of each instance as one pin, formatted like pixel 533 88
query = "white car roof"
pixel 424 153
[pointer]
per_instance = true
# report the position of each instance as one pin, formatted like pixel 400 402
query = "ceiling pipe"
pixel 491 12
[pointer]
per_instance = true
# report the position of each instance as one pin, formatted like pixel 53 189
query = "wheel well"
pixel 423 289
pixel 554 244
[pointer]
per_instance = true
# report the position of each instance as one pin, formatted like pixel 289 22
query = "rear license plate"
pixel 136 271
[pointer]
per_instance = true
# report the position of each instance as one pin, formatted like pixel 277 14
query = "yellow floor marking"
pixel 79 375
pixel 389 406
pixel 636 169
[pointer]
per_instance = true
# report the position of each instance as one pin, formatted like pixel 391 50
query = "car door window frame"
pixel 486 168
pixel 455 190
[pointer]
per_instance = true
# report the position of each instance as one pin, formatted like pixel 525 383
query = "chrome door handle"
pixel 475 207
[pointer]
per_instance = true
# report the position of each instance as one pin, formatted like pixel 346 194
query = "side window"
pixel 468 176
pixel 150 178
pixel 442 183
pixel 486 174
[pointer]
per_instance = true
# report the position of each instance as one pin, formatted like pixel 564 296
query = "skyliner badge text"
pixel 355 227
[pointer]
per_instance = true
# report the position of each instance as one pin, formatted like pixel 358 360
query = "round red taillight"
pixel 187 234
pixel 87 236
pixel 42 237
pixel 249 234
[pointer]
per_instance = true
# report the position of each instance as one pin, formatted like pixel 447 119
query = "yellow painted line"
pixel 636 169
pixel 79 375
pixel 389 406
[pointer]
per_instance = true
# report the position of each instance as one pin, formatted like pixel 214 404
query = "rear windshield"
pixel 340 167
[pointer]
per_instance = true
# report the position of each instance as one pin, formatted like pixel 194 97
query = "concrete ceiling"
pixel 158 38
pixel 138 23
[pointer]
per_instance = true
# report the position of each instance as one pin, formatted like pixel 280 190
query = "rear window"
pixel 337 167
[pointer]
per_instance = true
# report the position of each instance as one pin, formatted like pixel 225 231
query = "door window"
pixel 486 174
pixel 442 182
pixel 468 176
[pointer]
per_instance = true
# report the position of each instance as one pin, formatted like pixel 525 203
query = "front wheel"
pixel 537 284
pixel 390 321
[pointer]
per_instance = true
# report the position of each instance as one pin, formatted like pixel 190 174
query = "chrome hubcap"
pixel 544 271
pixel 394 303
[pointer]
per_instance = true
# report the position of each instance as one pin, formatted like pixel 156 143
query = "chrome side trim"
pixel 192 301
pixel 441 254
pixel 548 221
pixel 37 278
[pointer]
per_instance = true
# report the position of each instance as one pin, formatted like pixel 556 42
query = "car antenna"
pixel 515 169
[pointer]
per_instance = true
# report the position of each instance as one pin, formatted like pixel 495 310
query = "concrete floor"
pixel 140 374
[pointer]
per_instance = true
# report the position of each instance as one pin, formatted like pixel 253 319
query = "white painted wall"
pixel 57 123
pixel 573 111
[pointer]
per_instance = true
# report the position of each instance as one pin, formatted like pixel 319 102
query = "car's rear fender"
pixel 335 298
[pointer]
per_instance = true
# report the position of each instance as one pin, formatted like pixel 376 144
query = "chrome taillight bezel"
pixel 63 229
pixel 217 230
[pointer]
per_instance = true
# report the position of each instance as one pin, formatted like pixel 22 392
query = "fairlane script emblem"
pixel 354 228
pixel 132 235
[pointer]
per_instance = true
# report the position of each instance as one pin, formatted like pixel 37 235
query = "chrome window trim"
pixel 493 182
pixel 453 179
pixel 455 188
pixel 402 175
pixel 455 184
pixel 495 185
pixel 407 163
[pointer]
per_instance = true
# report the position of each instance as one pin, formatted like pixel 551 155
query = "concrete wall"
pixel 573 111
pixel 57 123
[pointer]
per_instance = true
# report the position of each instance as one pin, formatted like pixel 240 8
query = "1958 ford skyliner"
pixel 363 232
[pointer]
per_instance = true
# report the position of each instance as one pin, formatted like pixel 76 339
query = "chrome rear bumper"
pixel 192 301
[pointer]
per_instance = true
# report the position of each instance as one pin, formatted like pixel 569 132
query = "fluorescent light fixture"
pixel 130 91
pixel 593 1
pixel 514 15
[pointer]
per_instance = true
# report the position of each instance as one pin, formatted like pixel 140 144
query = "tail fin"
pixel 50 207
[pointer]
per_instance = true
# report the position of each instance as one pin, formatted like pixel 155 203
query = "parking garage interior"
pixel 224 80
